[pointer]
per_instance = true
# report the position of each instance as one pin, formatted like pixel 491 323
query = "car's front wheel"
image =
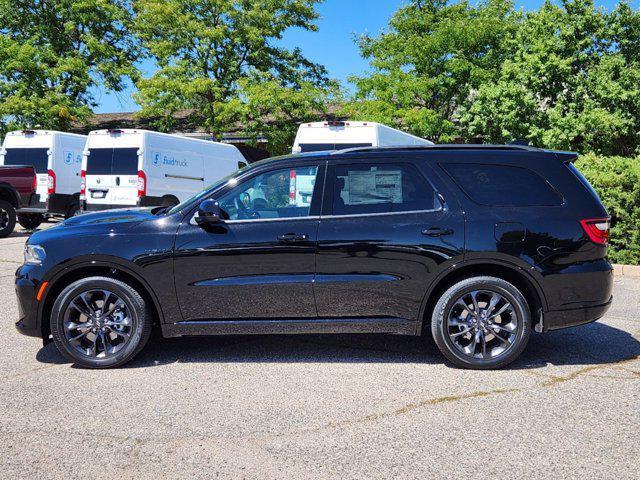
pixel 481 323
pixel 100 322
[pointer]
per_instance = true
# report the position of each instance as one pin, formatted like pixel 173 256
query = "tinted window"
pixel 502 185
pixel 380 188
pixel 284 193
pixel 112 161
pixel 28 156
pixel 318 147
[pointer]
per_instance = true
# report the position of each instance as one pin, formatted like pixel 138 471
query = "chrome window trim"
pixel 405 212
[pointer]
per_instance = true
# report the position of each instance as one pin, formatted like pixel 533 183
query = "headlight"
pixel 34 254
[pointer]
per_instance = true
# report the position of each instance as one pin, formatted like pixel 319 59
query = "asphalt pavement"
pixel 345 406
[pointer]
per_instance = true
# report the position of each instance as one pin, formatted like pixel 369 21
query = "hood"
pixel 98 223
pixel 110 218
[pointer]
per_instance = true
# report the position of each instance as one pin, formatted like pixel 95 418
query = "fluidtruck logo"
pixel 166 160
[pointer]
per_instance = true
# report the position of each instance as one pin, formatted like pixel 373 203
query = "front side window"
pixel 380 188
pixel 283 193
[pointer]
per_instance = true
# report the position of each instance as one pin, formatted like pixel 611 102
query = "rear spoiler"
pixel 567 157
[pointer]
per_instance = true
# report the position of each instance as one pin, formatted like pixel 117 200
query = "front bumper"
pixel 556 319
pixel 26 289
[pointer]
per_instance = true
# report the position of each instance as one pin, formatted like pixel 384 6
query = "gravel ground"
pixel 323 406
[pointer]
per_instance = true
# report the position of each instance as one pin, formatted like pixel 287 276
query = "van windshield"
pixel 28 156
pixel 112 161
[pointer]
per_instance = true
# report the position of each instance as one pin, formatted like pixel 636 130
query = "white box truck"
pixel 57 158
pixel 130 167
pixel 319 136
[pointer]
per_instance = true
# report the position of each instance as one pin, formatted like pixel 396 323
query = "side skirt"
pixel 398 326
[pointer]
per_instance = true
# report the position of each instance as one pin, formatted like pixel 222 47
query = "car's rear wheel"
pixel 100 322
pixel 7 218
pixel 30 221
pixel 481 323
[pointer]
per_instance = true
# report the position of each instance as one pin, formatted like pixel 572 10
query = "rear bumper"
pixel 557 319
pixel 145 201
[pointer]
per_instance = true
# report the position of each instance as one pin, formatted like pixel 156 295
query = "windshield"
pixel 207 190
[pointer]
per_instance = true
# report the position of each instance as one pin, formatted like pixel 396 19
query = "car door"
pixel 259 263
pixel 385 233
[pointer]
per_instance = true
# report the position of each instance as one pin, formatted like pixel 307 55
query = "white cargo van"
pixel 56 157
pixel 129 167
pixel 318 136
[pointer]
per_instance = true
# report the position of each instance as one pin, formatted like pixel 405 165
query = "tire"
pixel 30 221
pixel 133 307
pixel 169 202
pixel 7 219
pixel 495 340
pixel 72 211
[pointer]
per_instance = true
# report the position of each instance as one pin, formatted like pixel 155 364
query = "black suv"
pixel 477 245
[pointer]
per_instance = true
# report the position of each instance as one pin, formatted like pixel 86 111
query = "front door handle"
pixel 436 232
pixel 293 237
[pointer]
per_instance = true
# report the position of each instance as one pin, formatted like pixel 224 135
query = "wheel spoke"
pixel 504 308
pixel 484 344
pixel 463 332
pixel 495 299
pixel 503 340
pixel 76 340
pixel 82 309
pixel 465 307
pixel 500 327
pixel 87 303
pixel 475 302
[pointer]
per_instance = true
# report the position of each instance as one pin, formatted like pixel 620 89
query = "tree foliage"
pixel 54 53
pixel 565 76
pixel 617 181
pixel 211 52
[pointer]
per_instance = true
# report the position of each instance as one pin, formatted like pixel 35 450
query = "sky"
pixel 332 45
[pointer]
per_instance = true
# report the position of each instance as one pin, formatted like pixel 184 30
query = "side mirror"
pixel 208 213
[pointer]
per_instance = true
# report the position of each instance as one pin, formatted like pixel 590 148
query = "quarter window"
pixel 503 185
pixel 284 193
pixel 380 188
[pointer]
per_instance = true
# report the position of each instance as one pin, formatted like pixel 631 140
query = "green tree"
pixel 429 62
pixel 272 110
pixel 208 50
pixel 571 81
pixel 53 54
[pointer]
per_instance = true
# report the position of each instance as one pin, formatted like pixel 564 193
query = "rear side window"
pixel 28 156
pixel 112 161
pixel 503 185
pixel 380 188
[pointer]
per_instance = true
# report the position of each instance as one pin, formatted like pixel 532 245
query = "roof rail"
pixel 452 146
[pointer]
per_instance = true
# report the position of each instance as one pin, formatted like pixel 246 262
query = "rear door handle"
pixel 293 237
pixel 436 232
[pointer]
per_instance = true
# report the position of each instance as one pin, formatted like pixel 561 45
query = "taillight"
pixel 51 182
pixel 35 183
pixel 142 184
pixel 597 229
pixel 83 185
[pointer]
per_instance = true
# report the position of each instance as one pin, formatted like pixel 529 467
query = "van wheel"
pixel 72 211
pixel 169 201
pixel 481 323
pixel 7 218
pixel 100 322
pixel 30 221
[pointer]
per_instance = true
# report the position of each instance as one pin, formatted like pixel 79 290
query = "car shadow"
pixel 591 344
